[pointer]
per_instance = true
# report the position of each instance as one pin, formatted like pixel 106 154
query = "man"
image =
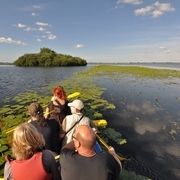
pixel 71 122
pixel 78 160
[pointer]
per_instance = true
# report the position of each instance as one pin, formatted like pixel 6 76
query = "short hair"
pixel 26 141
pixel 60 93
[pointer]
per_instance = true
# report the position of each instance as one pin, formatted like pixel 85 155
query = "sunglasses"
pixel 74 137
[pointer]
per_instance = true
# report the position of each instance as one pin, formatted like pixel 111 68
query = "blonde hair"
pixel 26 141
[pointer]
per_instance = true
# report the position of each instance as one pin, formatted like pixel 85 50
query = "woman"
pixel 48 128
pixel 31 161
pixel 57 109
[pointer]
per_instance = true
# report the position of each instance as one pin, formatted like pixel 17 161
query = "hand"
pixel 111 150
pixel 95 130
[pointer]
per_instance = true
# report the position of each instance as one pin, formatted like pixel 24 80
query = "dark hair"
pixel 36 110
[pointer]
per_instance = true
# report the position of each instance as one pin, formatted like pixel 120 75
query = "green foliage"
pixel 48 58
pixel 142 72
pixel 129 175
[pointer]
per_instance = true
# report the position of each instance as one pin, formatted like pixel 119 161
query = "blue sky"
pixel 95 30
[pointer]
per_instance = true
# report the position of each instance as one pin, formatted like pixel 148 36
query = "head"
pixel 60 93
pixel 26 141
pixel 84 138
pixel 35 109
pixel 76 106
pixel 36 112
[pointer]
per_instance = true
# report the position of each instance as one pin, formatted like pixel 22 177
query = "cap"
pixel 78 104
pixel 35 108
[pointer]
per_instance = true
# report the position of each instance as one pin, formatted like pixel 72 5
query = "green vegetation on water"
pixel 137 71
pixel 49 58
pixel 15 112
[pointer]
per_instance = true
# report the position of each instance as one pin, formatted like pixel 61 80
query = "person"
pixel 31 161
pixel 71 122
pixel 78 160
pixel 48 128
pixel 57 109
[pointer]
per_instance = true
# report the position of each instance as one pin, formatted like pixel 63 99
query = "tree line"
pixel 49 58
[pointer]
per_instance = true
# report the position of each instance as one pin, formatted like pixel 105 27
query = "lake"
pixel 147 111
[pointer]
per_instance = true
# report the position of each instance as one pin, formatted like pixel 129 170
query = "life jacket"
pixel 30 169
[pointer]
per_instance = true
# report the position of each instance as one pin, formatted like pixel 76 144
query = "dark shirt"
pixel 58 112
pixel 102 166
pixel 50 133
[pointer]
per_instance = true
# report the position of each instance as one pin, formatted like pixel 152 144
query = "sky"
pixel 95 30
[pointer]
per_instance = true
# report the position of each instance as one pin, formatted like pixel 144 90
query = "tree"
pixel 47 57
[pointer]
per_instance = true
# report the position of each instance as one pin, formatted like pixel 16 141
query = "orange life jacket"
pixel 30 169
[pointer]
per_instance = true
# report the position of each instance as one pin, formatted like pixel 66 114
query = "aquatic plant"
pixel 137 71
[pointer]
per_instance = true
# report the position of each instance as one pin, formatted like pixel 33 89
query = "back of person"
pixel 101 166
pixel 50 134
pixel 78 159
pixel 70 121
pixel 58 111
pixel 31 169
pixel 30 161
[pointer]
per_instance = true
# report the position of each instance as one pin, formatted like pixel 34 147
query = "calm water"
pixel 147 111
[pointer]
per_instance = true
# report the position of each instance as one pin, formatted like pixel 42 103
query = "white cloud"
pixel 79 46
pixel 167 51
pixel 20 25
pixel 30 29
pixel 134 2
pixel 34 14
pixel 42 24
pixel 37 7
pixel 51 37
pixel 147 52
pixel 157 9
pixel 162 48
pixel 11 41
pixel 41 29
pixel 48 32
pixel 39 40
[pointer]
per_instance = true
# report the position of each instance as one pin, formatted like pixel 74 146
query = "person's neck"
pixel 87 153
pixel 34 118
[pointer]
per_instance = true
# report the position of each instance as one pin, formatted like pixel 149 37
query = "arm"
pixel 62 129
pixel 7 172
pixel 50 164
pixel 113 153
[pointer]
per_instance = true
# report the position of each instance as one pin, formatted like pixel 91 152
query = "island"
pixel 48 58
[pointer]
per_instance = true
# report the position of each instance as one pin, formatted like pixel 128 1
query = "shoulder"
pixel 50 104
pixel 47 156
pixel 67 153
pixel 34 123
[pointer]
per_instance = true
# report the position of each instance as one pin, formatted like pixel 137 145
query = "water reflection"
pixel 147 114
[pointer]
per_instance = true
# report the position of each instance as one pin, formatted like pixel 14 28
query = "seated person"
pixel 71 122
pixel 31 161
pixel 78 160
pixel 48 128
pixel 57 109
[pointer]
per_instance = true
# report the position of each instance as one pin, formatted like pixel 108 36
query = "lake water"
pixel 147 111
